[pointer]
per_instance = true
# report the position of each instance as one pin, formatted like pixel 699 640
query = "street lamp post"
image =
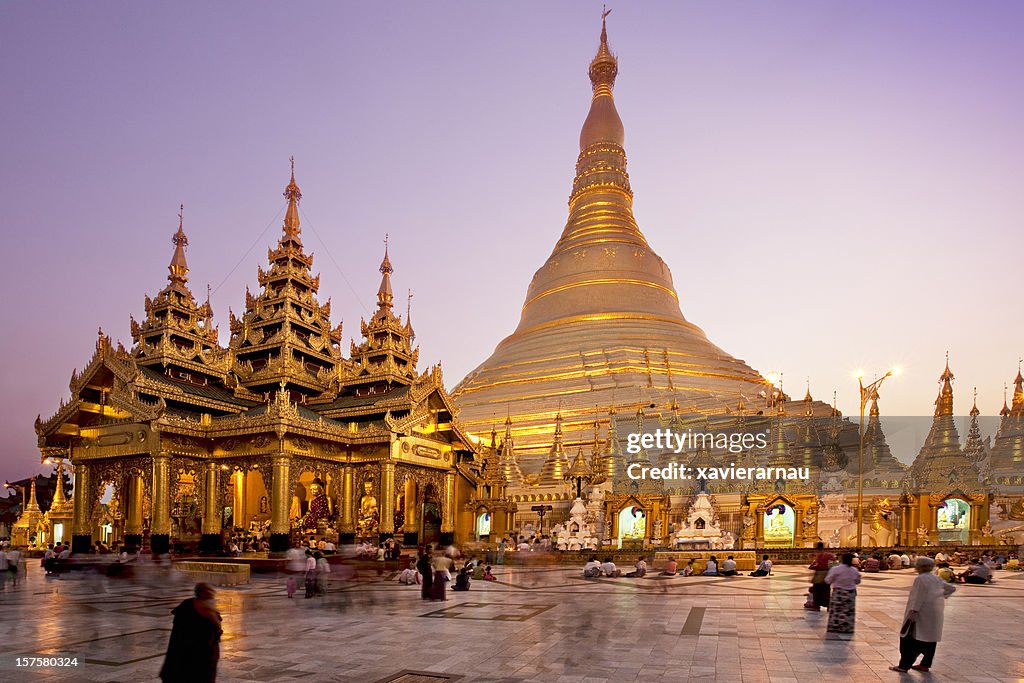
pixel 867 393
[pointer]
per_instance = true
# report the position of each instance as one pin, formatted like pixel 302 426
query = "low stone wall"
pixel 746 560
pixel 214 573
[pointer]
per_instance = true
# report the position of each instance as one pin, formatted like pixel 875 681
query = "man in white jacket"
pixel 922 620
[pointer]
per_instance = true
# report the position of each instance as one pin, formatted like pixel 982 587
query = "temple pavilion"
pixel 180 439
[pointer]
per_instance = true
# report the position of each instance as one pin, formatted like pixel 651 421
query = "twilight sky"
pixel 834 184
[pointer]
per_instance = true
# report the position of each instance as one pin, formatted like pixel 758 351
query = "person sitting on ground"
pixel 608 568
pixel 523 545
pixel 872 564
pixel 763 569
pixel 671 567
pixel 894 561
pixel 409 575
pixel 905 561
pixel 940 557
pixel 729 567
pixel 712 567
pixel 592 568
pixel 462 580
pixel 688 569
pixel 977 573
pixel 945 573
pixel 65 553
pixel 641 570
pixel 488 576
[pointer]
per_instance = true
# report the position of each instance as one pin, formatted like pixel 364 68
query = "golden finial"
pixel 291 216
pixel 604 66
pixel 178 265
pixel 385 265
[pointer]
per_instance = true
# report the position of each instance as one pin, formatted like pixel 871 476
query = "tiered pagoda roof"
pixel 282 370
pixel 941 464
pixel 178 337
pixel 1007 455
pixel 284 340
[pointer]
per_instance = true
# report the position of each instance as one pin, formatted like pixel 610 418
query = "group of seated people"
pixel 472 569
pixel 389 550
pixel 593 568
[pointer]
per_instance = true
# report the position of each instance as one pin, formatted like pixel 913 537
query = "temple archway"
pixel 632 525
pixel 431 515
pixel 953 520
pixel 483 523
pixel 779 525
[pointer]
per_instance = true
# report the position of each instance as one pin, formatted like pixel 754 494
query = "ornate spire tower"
pixel 602 312
pixel 1007 454
pixel 284 340
pixel 386 356
pixel 941 463
pixel 177 337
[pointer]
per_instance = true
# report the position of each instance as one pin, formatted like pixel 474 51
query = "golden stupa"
pixel 601 325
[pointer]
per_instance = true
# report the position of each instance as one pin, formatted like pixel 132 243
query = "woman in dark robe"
pixel 194 647
pixel 820 590
pixel 426 573
pixel 441 564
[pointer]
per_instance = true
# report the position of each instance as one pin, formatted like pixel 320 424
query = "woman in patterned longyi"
pixel 843 578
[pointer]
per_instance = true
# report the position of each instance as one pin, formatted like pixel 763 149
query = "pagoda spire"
pixel 507 461
pixel 385 297
pixel 32 505
pixel 179 267
pixel 291 217
pixel 386 354
pixel 944 402
pixel 1007 453
pixel 553 471
pixel 1017 406
pixel 177 334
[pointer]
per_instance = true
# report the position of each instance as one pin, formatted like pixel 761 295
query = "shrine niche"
pixel 779 521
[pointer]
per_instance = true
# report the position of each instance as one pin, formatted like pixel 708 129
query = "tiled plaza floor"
pixel 534 624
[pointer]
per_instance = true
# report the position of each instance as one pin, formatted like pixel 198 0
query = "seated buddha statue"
pixel 319 509
pixel 369 514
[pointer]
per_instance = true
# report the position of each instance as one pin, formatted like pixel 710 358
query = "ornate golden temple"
pixel 180 439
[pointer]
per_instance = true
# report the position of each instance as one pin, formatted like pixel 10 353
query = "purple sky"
pixel 834 185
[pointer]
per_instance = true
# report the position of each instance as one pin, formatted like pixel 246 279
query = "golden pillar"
pixel 211 510
pixel 81 523
pixel 448 513
pixel 239 499
pixel 387 508
pixel 347 525
pixel 411 505
pixel 974 533
pixel 280 501
pixel 133 519
pixel 160 526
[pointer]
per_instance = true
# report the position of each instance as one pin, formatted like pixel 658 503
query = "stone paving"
pixel 543 624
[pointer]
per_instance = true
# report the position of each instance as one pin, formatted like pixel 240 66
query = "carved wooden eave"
pixel 168 391
pixel 118 361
